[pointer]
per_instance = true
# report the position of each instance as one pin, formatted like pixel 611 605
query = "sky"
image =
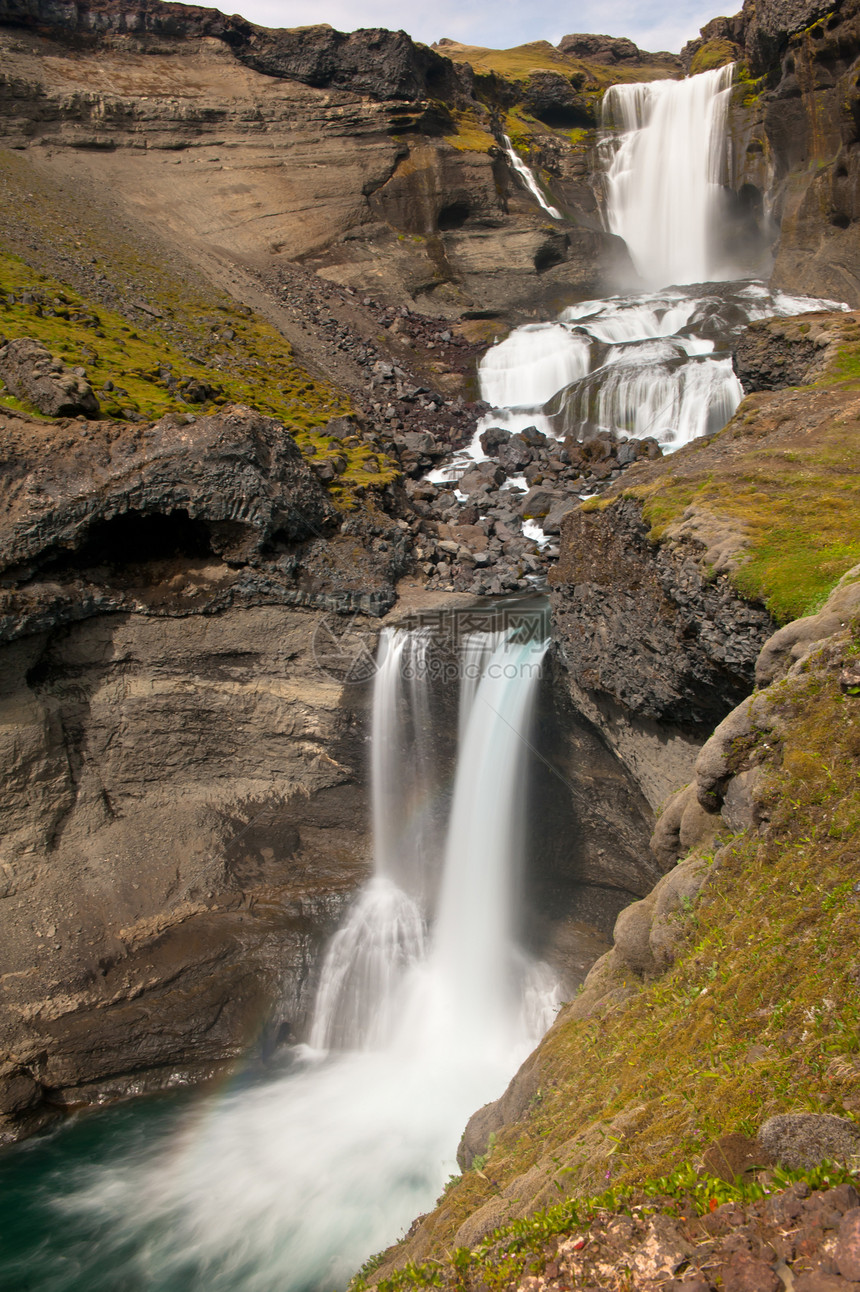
pixel 652 24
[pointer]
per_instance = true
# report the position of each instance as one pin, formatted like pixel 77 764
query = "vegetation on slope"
pixel 83 287
pixel 520 62
pixel 760 1014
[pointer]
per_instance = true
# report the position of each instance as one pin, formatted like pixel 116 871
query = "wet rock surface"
pixel 472 538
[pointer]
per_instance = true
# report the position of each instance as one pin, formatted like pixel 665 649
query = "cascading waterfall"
pixel 664 182
pixel 425 1008
pixel 654 363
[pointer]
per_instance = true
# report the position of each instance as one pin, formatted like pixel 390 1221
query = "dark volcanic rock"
pixel 31 372
pixel 770 23
pixel 236 478
pixel 612 50
pixel 553 100
pixel 382 64
pixel 774 353
pixel 797 141
pixel 656 653
pixel 616 592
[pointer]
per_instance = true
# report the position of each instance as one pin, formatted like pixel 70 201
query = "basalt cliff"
pixel 246 276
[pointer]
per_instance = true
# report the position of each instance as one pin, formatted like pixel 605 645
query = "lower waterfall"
pixel 426 1007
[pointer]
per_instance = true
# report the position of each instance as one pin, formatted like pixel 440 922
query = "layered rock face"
pixel 340 152
pixel 184 808
pixel 654 650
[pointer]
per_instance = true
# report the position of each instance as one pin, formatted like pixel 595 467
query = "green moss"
pixel 713 54
pixel 795 503
pixel 471 134
pixel 519 62
pixel 747 89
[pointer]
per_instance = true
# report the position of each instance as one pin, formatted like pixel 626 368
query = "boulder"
pixel 675 892
pixel 514 455
pixel 798 639
pixel 551 523
pixel 632 935
pixel 492 438
pixel 31 372
pixel 481 476
pixel 804 1140
pixel 537 502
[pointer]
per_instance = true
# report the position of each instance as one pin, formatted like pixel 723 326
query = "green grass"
pixel 519 62
pixel 791 489
pixel 470 134
pixel 53 231
pixel 759 1015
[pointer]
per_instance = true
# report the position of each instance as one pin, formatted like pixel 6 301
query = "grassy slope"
pixel 188 326
pixel 760 1015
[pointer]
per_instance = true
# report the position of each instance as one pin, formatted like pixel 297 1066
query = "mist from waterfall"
pixel 426 1006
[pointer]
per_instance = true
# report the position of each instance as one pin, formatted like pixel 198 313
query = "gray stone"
pixel 796 1140
pixel 739 809
pixel 675 892
pixel 632 934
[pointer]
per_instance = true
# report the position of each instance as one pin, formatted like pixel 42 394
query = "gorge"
pixel 262 684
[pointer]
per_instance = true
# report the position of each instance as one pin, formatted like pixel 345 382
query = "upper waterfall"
pixel 663 183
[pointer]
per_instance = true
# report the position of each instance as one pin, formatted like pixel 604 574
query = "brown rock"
pixel 747 1273
pixel 847 1252
pixel 31 372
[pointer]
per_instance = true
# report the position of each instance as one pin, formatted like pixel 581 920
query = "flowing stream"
pixel 425 1009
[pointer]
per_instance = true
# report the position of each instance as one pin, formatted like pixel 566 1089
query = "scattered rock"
pixel 847 1253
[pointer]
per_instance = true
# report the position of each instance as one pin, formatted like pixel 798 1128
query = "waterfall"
pixel 663 184
pixel 426 1006
pixel 471 978
pixel 528 178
